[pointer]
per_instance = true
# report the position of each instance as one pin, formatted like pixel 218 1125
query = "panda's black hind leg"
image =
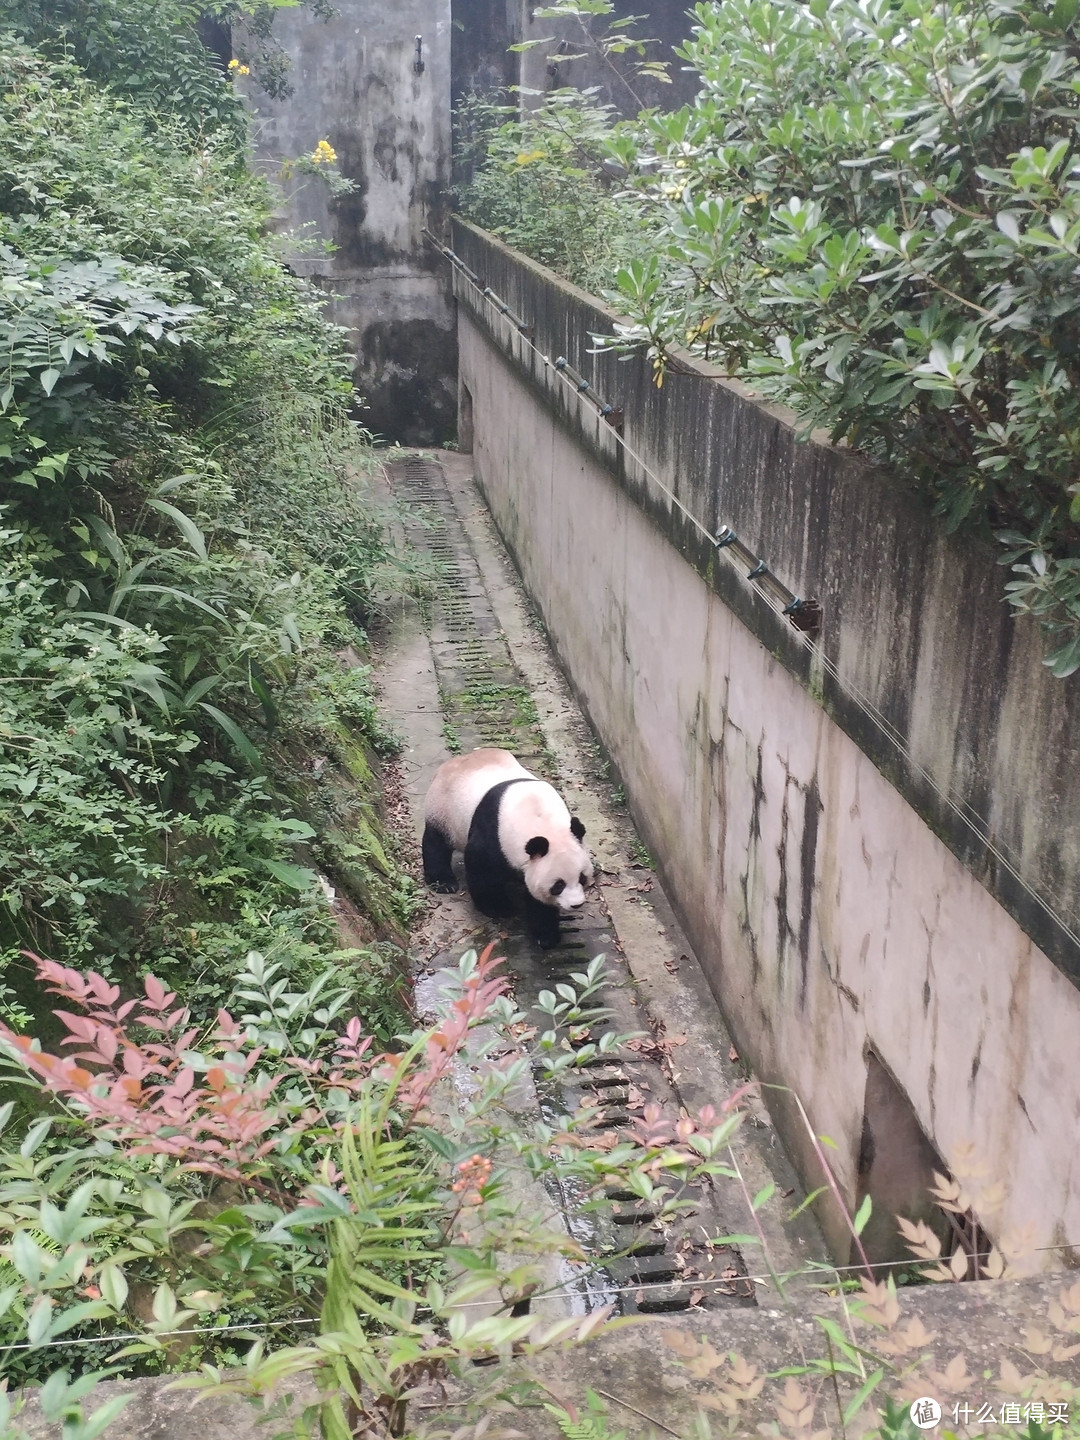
pixel 437 854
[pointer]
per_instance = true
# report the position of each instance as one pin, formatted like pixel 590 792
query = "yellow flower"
pixel 235 68
pixel 324 154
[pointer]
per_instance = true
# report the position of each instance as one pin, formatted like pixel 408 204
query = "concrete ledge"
pixel 990 1326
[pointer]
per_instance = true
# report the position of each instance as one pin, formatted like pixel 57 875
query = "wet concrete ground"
pixel 471 667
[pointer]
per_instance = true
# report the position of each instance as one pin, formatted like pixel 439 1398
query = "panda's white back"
pixel 460 785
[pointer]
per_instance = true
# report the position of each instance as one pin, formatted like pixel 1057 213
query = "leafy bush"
pixel 280 1166
pixel 188 537
pixel 539 182
pixel 155 53
pixel 871 212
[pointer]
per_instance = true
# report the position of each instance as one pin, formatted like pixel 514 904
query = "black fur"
pixel 437 853
pixel 494 884
pixel 542 922
pixel 538 845
pixel 487 870
pixel 577 829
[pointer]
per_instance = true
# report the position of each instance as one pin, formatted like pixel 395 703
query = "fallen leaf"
pixel 733 1055
pixel 696 1297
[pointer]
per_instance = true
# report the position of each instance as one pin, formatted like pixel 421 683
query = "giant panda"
pixel 512 828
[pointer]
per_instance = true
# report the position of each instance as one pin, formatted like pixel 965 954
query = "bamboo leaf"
pixel 229 727
pixel 184 523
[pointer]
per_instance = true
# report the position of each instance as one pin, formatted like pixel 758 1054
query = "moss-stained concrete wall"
pixel 890 860
pixel 354 82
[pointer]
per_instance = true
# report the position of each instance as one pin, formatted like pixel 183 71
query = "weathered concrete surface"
pixel 667 974
pixel 640 1369
pixel 156 1412
pixel 355 84
pixel 836 900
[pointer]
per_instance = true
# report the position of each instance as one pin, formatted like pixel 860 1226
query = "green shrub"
pixel 188 536
pixel 872 211
pixel 539 183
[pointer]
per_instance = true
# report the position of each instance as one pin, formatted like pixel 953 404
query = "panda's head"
pixel 558 866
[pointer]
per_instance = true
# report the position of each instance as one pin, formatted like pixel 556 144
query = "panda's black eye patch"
pixel 558 887
pixel 581 879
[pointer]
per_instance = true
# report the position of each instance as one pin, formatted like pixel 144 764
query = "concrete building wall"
pixel 813 831
pixel 354 84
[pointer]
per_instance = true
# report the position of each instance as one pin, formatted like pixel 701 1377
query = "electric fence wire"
pixel 821 1273
pixel 961 808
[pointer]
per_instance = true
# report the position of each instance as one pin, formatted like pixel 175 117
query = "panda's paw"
pixel 444 887
pixel 546 939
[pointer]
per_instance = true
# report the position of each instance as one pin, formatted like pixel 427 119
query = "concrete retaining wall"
pixel 816 833
pixel 354 83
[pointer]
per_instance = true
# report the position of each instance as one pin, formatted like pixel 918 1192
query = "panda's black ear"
pixel 577 829
pixel 536 847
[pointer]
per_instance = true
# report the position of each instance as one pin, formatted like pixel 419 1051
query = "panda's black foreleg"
pixel 487 875
pixel 438 853
pixel 542 922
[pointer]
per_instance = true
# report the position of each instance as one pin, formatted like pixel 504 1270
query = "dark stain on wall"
pixel 480 61
pixel 812 808
pixel 408 371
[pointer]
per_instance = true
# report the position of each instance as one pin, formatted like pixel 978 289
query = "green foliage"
pixel 540 183
pixel 593 1425
pixel 277 1169
pixel 871 212
pixel 619 53
pixel 187 538
pixel 153 52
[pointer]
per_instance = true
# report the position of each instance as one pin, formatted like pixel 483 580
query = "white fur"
pixel 529 809
pixel 460 785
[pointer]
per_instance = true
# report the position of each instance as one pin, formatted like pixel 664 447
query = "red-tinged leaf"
pixel 79 1079
pixel 155 992
pixel 183 1082
pixel 81 1028
pixel 215 1079
pixel 106 1045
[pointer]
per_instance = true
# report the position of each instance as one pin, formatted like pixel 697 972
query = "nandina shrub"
pixel 347 1185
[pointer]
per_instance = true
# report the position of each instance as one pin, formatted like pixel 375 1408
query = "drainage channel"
pixel 637 1262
